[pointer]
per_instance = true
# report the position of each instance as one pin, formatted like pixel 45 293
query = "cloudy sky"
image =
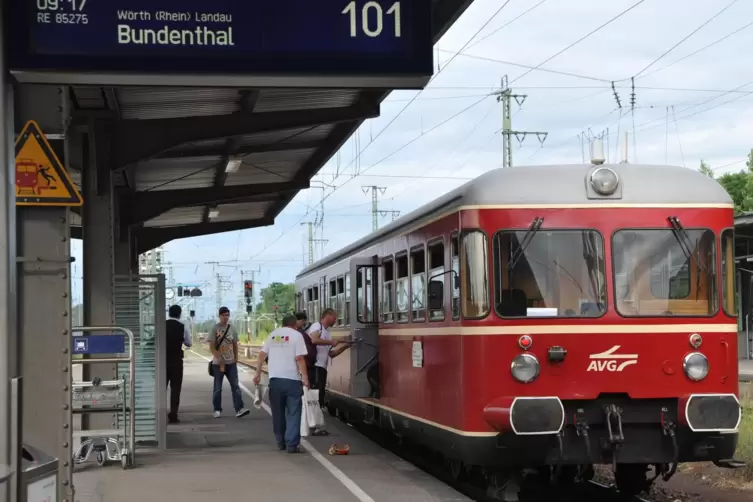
pixel 693 103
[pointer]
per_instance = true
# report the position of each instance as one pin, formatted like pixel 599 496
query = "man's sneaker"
pixel 217 414
pixel 296 449
pixel 281 446
pixel 242 413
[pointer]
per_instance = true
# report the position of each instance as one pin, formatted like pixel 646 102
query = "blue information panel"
pixel 234 37
pixel 99 344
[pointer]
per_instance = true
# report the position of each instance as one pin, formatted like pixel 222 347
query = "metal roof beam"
pixel 214 151
pixel 246 104
pixel 134 140
pixel 151 237
pixel 138 207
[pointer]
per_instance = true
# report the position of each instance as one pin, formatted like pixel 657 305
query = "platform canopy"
pixel 218 147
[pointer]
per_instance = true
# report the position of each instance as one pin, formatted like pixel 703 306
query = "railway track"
pixel 534 489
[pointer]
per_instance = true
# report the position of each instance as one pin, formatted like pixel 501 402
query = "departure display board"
pixel 235 37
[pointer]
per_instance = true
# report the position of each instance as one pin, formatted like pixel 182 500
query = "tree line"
pixel 739 185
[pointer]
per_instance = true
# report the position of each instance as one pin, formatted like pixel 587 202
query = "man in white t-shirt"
pixel 287 377
pixel 322 340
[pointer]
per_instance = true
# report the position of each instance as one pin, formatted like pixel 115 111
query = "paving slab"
pixel 237 458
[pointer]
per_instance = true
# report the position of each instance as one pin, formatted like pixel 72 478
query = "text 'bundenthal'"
pixel 201 35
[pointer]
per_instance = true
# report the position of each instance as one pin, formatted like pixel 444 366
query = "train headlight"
pixel 696 366
pixel 604 181
pixel 525 368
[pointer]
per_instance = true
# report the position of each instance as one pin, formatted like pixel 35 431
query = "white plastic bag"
pixel 304 420
pixel 259 394
pixel 314 415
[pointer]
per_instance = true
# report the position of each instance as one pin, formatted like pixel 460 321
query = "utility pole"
pixel 374 204
pixel 312 240
pixel 394 214
pixel 218 283
pixel 375 211
pixel 504 96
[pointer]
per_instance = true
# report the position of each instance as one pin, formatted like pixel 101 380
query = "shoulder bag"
pixel 217 347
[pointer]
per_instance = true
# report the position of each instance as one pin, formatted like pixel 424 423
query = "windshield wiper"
pixel 684 240
pixel 535 226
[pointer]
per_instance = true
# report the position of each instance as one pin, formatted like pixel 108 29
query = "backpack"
pixel 311 348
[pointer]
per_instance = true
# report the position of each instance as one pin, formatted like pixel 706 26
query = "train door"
pixel 364 321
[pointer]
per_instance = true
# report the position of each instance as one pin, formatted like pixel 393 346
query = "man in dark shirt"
pixel 176 335
pixel 301 326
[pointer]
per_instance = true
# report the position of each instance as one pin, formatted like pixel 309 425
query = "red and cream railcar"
pixel 563 315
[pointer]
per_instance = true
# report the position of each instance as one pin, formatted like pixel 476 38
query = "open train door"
pixel 364 321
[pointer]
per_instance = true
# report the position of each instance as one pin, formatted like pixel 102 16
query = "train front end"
pixel 613 338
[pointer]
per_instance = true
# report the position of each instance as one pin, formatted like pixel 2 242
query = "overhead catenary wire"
pixel 439 71
pixel 707 46
pixel 686 38
pixel 530 68
pixel 562 51
pixel 508 23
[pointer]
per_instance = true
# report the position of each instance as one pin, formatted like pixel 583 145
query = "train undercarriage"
pixel 641 440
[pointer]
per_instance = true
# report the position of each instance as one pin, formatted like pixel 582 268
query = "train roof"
pixel 641 184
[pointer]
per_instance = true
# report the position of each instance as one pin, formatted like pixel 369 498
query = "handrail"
pixel 131 360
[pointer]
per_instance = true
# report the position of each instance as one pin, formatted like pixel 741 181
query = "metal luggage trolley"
pixel 106 396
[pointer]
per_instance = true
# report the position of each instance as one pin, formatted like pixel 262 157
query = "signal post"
pixel 249 296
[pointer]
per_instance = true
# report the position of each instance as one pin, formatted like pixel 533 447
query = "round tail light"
pixel 525 342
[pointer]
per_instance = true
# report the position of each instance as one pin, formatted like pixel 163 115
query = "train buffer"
pixel 233 458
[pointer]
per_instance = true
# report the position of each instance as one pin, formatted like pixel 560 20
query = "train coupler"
pixel 668 429
pixel 616 437
pixel 581 429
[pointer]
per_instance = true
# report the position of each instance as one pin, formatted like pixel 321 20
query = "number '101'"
pixel 372 18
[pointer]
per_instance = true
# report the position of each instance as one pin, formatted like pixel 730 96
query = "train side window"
pixel 436 273
pixel 455 276
pixel 368 281
pixel 418 284
pixel 332 293
pixel 359 295
pixel 340 291
pixel 365 295
pixel 315 303
pixel 323 294
pixel 401 288
pixel 347 299
pixel 729 277
pixel 474 264
pixel 388 289
pixel 309 301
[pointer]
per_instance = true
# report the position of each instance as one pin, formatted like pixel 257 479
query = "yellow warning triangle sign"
pixel 41 179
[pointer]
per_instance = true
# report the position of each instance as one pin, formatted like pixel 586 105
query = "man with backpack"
pixel 301 325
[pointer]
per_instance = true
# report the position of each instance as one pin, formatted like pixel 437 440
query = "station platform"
pixel 237 459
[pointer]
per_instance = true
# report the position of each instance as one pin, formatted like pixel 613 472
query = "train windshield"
pixel 659 273
pixel 560 273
